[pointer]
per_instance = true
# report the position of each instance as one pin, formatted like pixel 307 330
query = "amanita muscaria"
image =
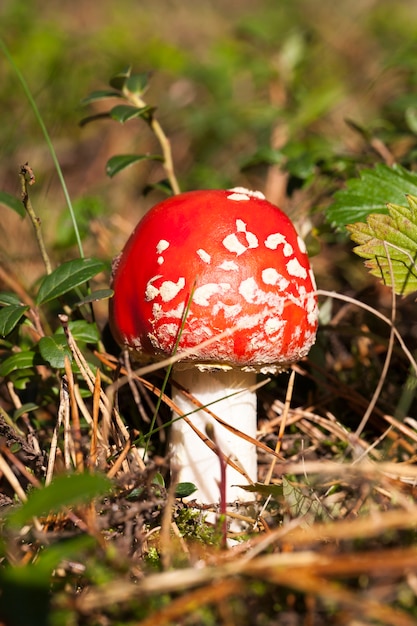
pixel 228 266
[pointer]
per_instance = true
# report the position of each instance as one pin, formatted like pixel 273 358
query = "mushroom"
pixel 222 277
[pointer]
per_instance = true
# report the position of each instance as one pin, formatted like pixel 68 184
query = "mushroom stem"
pixel 197 463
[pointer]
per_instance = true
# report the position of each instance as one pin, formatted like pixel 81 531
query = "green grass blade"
pixel 48 141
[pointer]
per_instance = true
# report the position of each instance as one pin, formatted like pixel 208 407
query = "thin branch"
pixel 26 173
pixel 162 139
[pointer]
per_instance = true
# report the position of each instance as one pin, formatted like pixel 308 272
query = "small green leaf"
pixel 95 296
pixel 25 408
pixel 66 277
pixel 120 162
pixel 102 94
pixel 7 297
pixel 163 186
pixel 54 352
pixel 371 193
pixel 124 112
pixel 388 243
pixel 158 479
pixel 10 316
pixel 119 80
pixel 19 361
pixel 82 331
pixel 184 490
pixel 411 118
pixel 66 490
pixel 12 202
pixel 274 491
pixel 137 83
pixel 93 118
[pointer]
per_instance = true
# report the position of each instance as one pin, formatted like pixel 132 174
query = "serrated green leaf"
pixel 102 94
pixel 388 243
pixel 12 202
pixel 371 193
pixel 124 112
pixel 66 277
pixel 19 361
pixel 120 162
pixel 65 490
pixel 54 351
pixel 10 316
pixel 82 331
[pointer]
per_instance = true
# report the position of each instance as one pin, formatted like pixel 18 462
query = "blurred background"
pixel 289 97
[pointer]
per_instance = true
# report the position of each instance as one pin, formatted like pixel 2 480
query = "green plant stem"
pixel 162 139
pixel 48 141
pixel 36 222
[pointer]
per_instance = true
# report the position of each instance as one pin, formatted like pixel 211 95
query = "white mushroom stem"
pixel 196 462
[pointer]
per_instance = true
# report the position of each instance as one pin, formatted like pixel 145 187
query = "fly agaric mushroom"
pixel 229 267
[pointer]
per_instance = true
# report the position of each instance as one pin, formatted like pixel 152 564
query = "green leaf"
pixel 25 408
pixel 388 243
pixel 158 479
pixel 12 202
pixel 82 331
pixel 95 296
pixel 137 83
pixel 275 491
pixel 184 490
pixel 118 163
pixel 66 277
pixel 371 193
pixel 67 490
pixel 102 94
pixel 26 591
pixel 54 351
pixel 10 316
pixel 93 118
pixel 163 186
pixel 124 112
pixel 19 361
pixel 7 297
pixel 119 80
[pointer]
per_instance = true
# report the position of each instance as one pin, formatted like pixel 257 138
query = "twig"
pixel 26 173
pixel 222 483
pixel 388 356
pixel 76 428
pixel 62 410
pixel 162 138
pixel 366 307
pixel 282 425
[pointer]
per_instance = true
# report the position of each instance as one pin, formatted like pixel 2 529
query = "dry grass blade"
pixel 62 417
pixel 213 593
pixel 388 355
pixel 376 313
pixel 358 606
pixel 76 428
pixel 235 431
pixel 12 480
pixel 107 360
pixel 282 425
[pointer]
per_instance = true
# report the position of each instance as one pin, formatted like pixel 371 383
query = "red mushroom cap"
pixel 237 262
